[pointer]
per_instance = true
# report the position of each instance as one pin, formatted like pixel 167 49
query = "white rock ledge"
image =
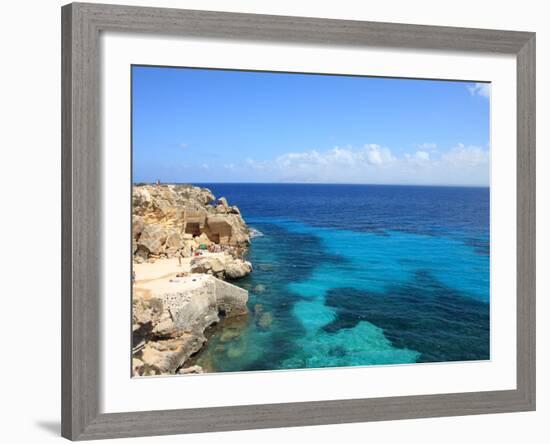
pixel 170 322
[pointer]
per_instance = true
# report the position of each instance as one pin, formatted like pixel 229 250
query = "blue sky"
pixel 197 125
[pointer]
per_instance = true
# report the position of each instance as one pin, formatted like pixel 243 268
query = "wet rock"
pixel 235 351
pixel 229 334
pixel 265 320
pixel 258 308
pixel 259 289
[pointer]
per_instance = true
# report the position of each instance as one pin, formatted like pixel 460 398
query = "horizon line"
pixel 313 183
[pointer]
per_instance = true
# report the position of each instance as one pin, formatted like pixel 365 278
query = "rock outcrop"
pixel 222 265
pixel 175 220
pixel 169 326
pixel 176 301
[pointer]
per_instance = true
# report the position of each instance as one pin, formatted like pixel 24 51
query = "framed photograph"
pixel 278 221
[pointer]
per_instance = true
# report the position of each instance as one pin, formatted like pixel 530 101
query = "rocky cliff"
pixel 174 220
pixel 169 323
pixel 185 243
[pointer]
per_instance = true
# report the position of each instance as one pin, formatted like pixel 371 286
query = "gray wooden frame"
pixel 81 232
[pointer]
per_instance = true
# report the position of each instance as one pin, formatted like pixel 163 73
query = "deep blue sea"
pixel 359 275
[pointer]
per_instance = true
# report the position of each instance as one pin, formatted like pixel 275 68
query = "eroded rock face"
pixel 170 220
pixel 170 316
pixel 237 269
pixel 193 370
pixel 167 355
pixel 168 327
pixel 223 266
pixel 153 238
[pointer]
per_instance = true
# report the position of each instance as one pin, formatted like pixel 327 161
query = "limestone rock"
pixel 167 355
pixel 137 366
pixel 193 370
pixel 221 265
pixel 237 268
pixel 231 300
pixel 147 310
pixel 165 217
pixel 141 254
pixel 165 326
pixel 202 239
pixel 168 327
pixel 205 264
pixel 174 241
pixel 152 239
pixel 137 226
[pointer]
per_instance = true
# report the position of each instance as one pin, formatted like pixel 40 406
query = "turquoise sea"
pixel 359 275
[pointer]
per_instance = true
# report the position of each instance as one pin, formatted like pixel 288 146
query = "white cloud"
pixel 374 157
pixel 466 156
pixel 422 156
pixel 460 165
pixel 480 89
pixel 336 158
pixel 338 155
pixel 418 159
pixel 378 155
pixel 255 164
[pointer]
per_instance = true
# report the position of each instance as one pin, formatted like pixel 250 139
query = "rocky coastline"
pixel 187 247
